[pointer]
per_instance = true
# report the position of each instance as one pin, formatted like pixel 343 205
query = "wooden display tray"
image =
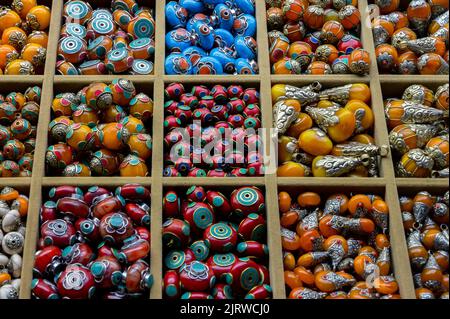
pixel 387 185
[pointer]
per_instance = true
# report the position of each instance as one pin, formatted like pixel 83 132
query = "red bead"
pixel 174 91
pixel 176 233
pixel 216 173
pixel 104 250
pixel 247 200
pixel 207 102
pixel 251 96
pixel 94 192
pixel 133 249
pixel 200 91
pixel 138 277
pixel 170 107
pixel 197 276
pixel 45 257
pixel 219 93
pixel 220 203
pixel 236 120
pixel 171 204
pixel 196 194
pixel 235 91
pixel 48 211
pixel 220 237
pixel 260 292
pixel 144 233
pixel 236 106
pixel 115 228
pixel 172 287
pixel 63 191
pixel 89 228
pixel 252 249
pixel 107 204
pixel 76 282
pixel 199 216
pixel 79 253
pixel 58 232
pixel 244 275
pixel 253 227
pixel 107 272
pixel 44 289
pixel 133 192
pixel 189 100
pixel 252 110
pixel 73 207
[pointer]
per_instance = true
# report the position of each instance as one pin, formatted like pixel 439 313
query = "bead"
pixel 72 49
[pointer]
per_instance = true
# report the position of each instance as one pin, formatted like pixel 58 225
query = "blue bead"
pixel 176 15
pixel 193 6
pixel 246 6
pixel 224 16
pixel 199 17
pixel 194 54
pixel 208 65
pixel 224 38
pixel 203 35
pixel 178 64
pixel 245 25
pixel 246 47
pixel 226 57
pixel 244 66
pixel 178 40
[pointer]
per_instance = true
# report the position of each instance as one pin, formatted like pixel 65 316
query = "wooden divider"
pixel 385 185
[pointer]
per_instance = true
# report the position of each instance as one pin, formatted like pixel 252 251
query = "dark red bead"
pixel 63 191
pixel 58 232
pixel 73 207
pixel 236 106
pixel 197 276
pixel 94 192
pixel 220 203
pixel 247 200
pixel 199 216
pixel 44 289
pixel 48 211
pixel 76 282
pixel 200 91
pixel 253 227
pixel 172 287
pixel 221 264
pixel 235 91
pixel 78 254
pixel 176 233
pixel 45 257
pixel 133 192
pixel 171 204
pixel 251 96
pixel 174 90
pixel 196 194
pixel 220 237
pixel 107 272
pixel 220 94
pixel 189 100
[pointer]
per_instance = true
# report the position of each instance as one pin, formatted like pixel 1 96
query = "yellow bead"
pixel 360 91
pixel 346 127
pixel 278 90
pixel 291 169
pixel 314 141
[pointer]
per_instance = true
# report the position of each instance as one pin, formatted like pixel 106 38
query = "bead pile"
pixel 102 130
pixel 117 40
pixel 337 249
pixel 214 245
pixel 426 221
pixel 24 36
pixel 211 37
pixel 412 39
pixel 13 213
pixel 316 37
pixel 325 133
pixel 223 115
pixel 19 114
pixel 94 244
pixel 419 131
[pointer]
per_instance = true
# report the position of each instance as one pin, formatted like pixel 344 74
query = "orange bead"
pixel 360 263
pixel 315 142
pixel 19 67
pixel 38 37
pixel 289 261
pixel 293 10
pixel 325 228
pixel 326 53
pixel 314 17
pixel 305 275
pixel 386 26
pixel 432 63
pixel 336 239
pixel 345 128
pixel 319 68
pixel 387 57
pixel 290 240
pixel 7 54
pixel 308 199
pixel 350 17
pixel 424 293
pixel 441 97
pixel 284 201
pixel 38 18
pixel 359 205
pixel 292 280
pixel 367 121
pixel 332 32
pixel 406 204
pixel 419 10
pixel 22 7
pixel 359 62
pixel 303 123
pixel 386 285
pixel 289 219
pixel 382 241
pixel 4 277
pixel 360 91
pixel 364 139
pixel 311 240
pixel 387 6
pixel 8 18
pixel 15 37
pixel 292 169
pixel 35 53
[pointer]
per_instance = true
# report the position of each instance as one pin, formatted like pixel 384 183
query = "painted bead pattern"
pixel 301 31
pixel 109 257
pixel 93 135
pixel 222 35
pixel 19 112
pixel 117 40
pixel 23 37
pixel 216 261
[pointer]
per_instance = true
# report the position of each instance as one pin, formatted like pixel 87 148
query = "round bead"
pixel 119 60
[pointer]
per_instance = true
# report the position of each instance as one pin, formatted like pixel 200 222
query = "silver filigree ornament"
pixel 336 166
pixel 284 116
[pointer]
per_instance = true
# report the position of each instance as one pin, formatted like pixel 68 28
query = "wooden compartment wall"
pixel 385 185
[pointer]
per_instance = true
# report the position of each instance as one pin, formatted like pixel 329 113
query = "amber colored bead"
pixel 22 7
pixel 387 57
pixel 360 262
pixel 292 280
pixel 293 10
pixel 441 98
pixel 7 54
pixel 368 119
pixel 308 199
pixel 336 239
pixel 345 128
pixel 424 293
pixel 8 18
pixel 38 18
pixel 432 63
pixel 411 166
pixel 292 169
pixel 407 63
pixel 331 15
pixel 303 123
pixel 314 141
pixel 419 10
pixel 79 137
pixel 350 17
pixel 301 52
pixel 386 285
pixel 332 32
pixel 35 53
pixel 38 37
pixel 438 149
pixel 326 53
pixel 359 61
pixel 388 26
pixel 387 6
pixel 133 166
pixel 359 204
pixel 309 240
pixel 289 219
pixel 401 35
pixel 364 139
pixel 15 37
pixel 424 199
pixel 19 67
pixel 319 68
pixel 325 229
pixel 323 283
pixel 406 204
pixel 289 261
pixel 432 275
pixel 314 17
pixel 4 277
pixel 305 275
pixel 290 241
pixel 284 201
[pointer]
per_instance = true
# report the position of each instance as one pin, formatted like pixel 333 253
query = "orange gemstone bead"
pixel 38 37
pixel 308 199
pixel 284 201
pixel 38 18
pixel 7 54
